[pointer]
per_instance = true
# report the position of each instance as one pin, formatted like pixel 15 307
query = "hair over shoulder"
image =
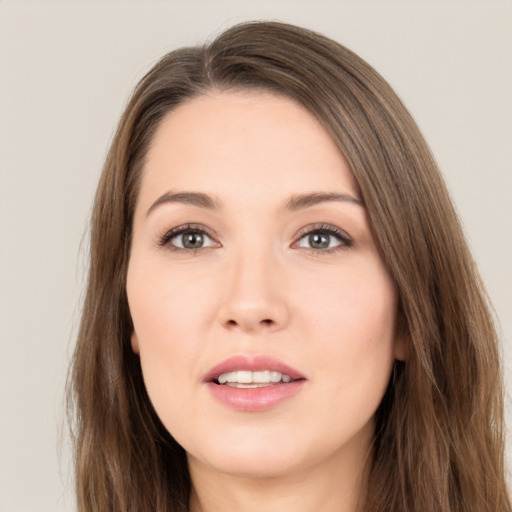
pixel 439 440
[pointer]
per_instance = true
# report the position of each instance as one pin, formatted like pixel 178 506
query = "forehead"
pixel 250 144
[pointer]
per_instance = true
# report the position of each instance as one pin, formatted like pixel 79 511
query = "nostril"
pixel 251 318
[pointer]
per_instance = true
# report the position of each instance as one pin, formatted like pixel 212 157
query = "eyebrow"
pixel 307 200
pixel 295 203
pixel 193 198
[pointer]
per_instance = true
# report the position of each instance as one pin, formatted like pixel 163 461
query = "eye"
pixel 187 237
pixel 191 240
pixel 324 238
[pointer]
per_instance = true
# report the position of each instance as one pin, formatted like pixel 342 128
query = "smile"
pixel 248 379
pixel 253 383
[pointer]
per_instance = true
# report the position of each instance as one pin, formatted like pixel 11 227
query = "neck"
pixel 330 487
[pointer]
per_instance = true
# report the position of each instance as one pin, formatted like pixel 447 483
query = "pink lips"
pixel 253 399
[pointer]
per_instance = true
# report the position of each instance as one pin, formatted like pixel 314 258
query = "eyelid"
pixel 344 238
pixel 165 239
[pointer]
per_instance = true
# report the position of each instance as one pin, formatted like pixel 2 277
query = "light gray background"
pixel 66 69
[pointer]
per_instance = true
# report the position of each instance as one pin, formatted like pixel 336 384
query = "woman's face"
pixel 263 314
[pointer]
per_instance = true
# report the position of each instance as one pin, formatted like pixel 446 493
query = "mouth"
pixel 244 379
pixel 253 383
pixel 244 371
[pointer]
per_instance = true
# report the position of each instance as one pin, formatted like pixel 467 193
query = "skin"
pixel 258 286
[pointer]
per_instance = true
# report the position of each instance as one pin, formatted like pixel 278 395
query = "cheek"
pixel 165 320
pixel 164 304
pixel 352 328
pixel 357 303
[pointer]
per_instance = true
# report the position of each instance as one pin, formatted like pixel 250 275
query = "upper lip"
pixel 252 363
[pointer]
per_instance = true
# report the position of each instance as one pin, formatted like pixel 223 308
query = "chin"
pixel 242 466
pixel 265 453
pixel 260 458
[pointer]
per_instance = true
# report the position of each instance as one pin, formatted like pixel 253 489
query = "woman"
pixel 282 311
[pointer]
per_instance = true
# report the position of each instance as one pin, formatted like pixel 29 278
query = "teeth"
pixel 246 377
pixel 261 377
pixel 275 376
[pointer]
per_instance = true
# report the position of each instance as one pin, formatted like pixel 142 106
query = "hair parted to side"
pixel 439 439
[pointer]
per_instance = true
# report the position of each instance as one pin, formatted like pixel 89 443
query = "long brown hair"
pixel 438 442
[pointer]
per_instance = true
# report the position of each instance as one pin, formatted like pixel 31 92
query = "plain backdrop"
pixel 66 70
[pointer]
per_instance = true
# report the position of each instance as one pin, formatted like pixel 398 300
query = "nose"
pixel 255 297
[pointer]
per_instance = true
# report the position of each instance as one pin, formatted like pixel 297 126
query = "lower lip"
pixel 255 399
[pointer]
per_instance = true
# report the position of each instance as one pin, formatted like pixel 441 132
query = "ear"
pixel 401 346
pixel 135 342
pixel 402 339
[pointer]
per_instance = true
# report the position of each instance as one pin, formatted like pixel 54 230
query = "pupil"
pixel 319 241
pixel 192 240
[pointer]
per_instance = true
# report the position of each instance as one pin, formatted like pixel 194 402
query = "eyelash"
pixel 165 239
pixel 326 229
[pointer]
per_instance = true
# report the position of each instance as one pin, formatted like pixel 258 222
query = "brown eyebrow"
pixel 307 200
pixel 193 198
pixel 294 203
